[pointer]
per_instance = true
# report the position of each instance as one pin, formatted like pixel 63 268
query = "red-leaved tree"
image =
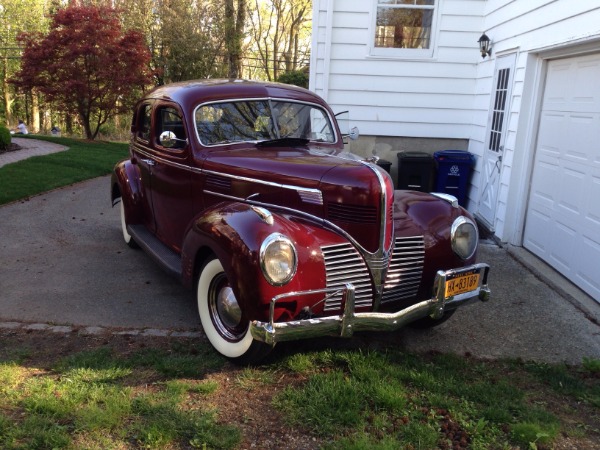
pixel 86 65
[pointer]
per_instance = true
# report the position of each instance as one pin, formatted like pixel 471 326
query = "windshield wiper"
pixel 284 142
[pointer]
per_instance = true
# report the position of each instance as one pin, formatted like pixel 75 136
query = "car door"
pixel 142 156
pixel 171 176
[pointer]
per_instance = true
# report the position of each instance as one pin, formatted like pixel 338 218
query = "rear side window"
pixel 144 122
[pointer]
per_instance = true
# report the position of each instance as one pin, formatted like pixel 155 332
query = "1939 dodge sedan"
pixel 243 190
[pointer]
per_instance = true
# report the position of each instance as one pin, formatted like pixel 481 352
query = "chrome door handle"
pixel 150 162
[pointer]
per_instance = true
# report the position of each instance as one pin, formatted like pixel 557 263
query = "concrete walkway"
pixel 29 148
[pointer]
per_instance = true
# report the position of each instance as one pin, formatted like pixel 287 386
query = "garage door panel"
pixel 539 232
pixel 570 186
pixel 563 216
pixel 544 191
pixel 562 255
pixel 572 85
pixel 592 214
pixel 587 267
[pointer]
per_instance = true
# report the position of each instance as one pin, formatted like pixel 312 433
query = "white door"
pixel 495 137
pixel 563 216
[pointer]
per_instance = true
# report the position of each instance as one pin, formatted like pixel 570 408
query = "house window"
pixel 404 27
pixel 499 110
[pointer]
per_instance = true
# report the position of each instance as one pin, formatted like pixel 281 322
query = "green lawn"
pixel 117 392
pixel 83 160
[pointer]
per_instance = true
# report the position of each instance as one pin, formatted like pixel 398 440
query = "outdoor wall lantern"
pixel 485 45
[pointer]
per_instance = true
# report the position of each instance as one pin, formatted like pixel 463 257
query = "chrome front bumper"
pixel 348 322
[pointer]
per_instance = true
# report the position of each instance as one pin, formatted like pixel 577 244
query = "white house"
pixel 412 77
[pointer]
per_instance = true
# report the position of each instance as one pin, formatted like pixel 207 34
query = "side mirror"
pixel 343 120
pixel 169 140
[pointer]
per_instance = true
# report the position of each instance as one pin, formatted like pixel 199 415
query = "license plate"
pixel 462 282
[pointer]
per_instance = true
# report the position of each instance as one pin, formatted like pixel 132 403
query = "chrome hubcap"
pixel 228 309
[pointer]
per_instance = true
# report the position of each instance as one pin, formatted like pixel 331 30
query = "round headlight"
pixel 464 236
pixel 278 259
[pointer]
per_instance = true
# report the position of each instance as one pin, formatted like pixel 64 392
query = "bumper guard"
pixel 348 322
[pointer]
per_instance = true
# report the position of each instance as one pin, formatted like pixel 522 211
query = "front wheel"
pixel 222 318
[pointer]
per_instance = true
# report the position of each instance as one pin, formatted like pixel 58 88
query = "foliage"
pixel 279 32
pixel 17 16
pixel 86 65
pixel 4 137
pixel 187 40
pixel 83 160
pixel 296 77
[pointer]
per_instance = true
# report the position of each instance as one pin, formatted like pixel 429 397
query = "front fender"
pixel 234 233
pixel 126 184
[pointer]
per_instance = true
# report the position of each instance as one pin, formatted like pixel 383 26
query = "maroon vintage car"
pixel 243 190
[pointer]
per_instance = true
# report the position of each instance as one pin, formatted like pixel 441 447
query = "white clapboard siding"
pixel 353 76
pixel 449 94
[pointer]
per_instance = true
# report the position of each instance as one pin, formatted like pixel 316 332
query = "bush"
pixel 297 78
pixel 4 138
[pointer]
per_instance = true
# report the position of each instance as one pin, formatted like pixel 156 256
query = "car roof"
pixel 191 93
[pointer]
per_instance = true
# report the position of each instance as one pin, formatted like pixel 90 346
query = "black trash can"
pixel 415 171
pixel 385 164
pixel 454 169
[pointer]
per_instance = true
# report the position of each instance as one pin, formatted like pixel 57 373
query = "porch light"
pixel 485 45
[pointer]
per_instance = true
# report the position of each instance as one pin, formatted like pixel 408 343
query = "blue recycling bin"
pixel 454 168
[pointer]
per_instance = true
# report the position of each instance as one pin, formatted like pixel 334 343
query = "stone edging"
pixel 98 331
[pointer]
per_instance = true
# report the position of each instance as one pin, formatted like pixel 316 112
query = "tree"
pixel 86 64
pixel 280 35
pixel 234 35
pixel 14 20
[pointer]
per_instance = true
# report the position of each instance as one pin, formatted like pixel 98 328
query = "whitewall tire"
pixel 222 319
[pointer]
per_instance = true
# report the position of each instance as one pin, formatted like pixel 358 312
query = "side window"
pixel 144 120
pixel 169 119
pixel 404 28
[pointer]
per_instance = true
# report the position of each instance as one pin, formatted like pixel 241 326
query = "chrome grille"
pixel 405 270
pixel 218 182
pixel 343 264
pixel 338 212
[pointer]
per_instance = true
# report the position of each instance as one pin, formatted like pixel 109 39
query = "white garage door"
pixel 563 216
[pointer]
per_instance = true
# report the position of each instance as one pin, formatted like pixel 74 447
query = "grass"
pixel 396 400
pixel 82 161
pixel 168 397
pixel 97 399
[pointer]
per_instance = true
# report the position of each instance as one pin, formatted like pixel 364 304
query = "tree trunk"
pixel 35 112
pixel 234 34
pixel 7 98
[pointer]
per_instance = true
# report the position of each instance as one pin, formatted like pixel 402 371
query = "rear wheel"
pixel 126 236
pixel 222 318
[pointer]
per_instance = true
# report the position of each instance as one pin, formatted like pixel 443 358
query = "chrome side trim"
pixel 302 191
pixel 349 321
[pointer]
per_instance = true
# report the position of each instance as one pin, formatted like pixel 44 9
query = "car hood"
pixel 300 166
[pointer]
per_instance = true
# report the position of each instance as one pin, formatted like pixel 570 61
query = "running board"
pixel 163 255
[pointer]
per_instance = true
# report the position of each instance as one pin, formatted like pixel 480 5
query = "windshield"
pixel 261 120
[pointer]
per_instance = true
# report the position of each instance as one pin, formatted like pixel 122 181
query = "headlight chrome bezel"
pixel 456 234
pixel 266 247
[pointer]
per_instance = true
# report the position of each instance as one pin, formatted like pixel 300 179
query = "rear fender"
pixel 234 234
pixel 125 185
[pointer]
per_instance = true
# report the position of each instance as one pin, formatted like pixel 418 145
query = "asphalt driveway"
pixel 63 262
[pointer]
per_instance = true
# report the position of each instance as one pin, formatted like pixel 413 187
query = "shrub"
pixel 297 78
pixel 4 137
